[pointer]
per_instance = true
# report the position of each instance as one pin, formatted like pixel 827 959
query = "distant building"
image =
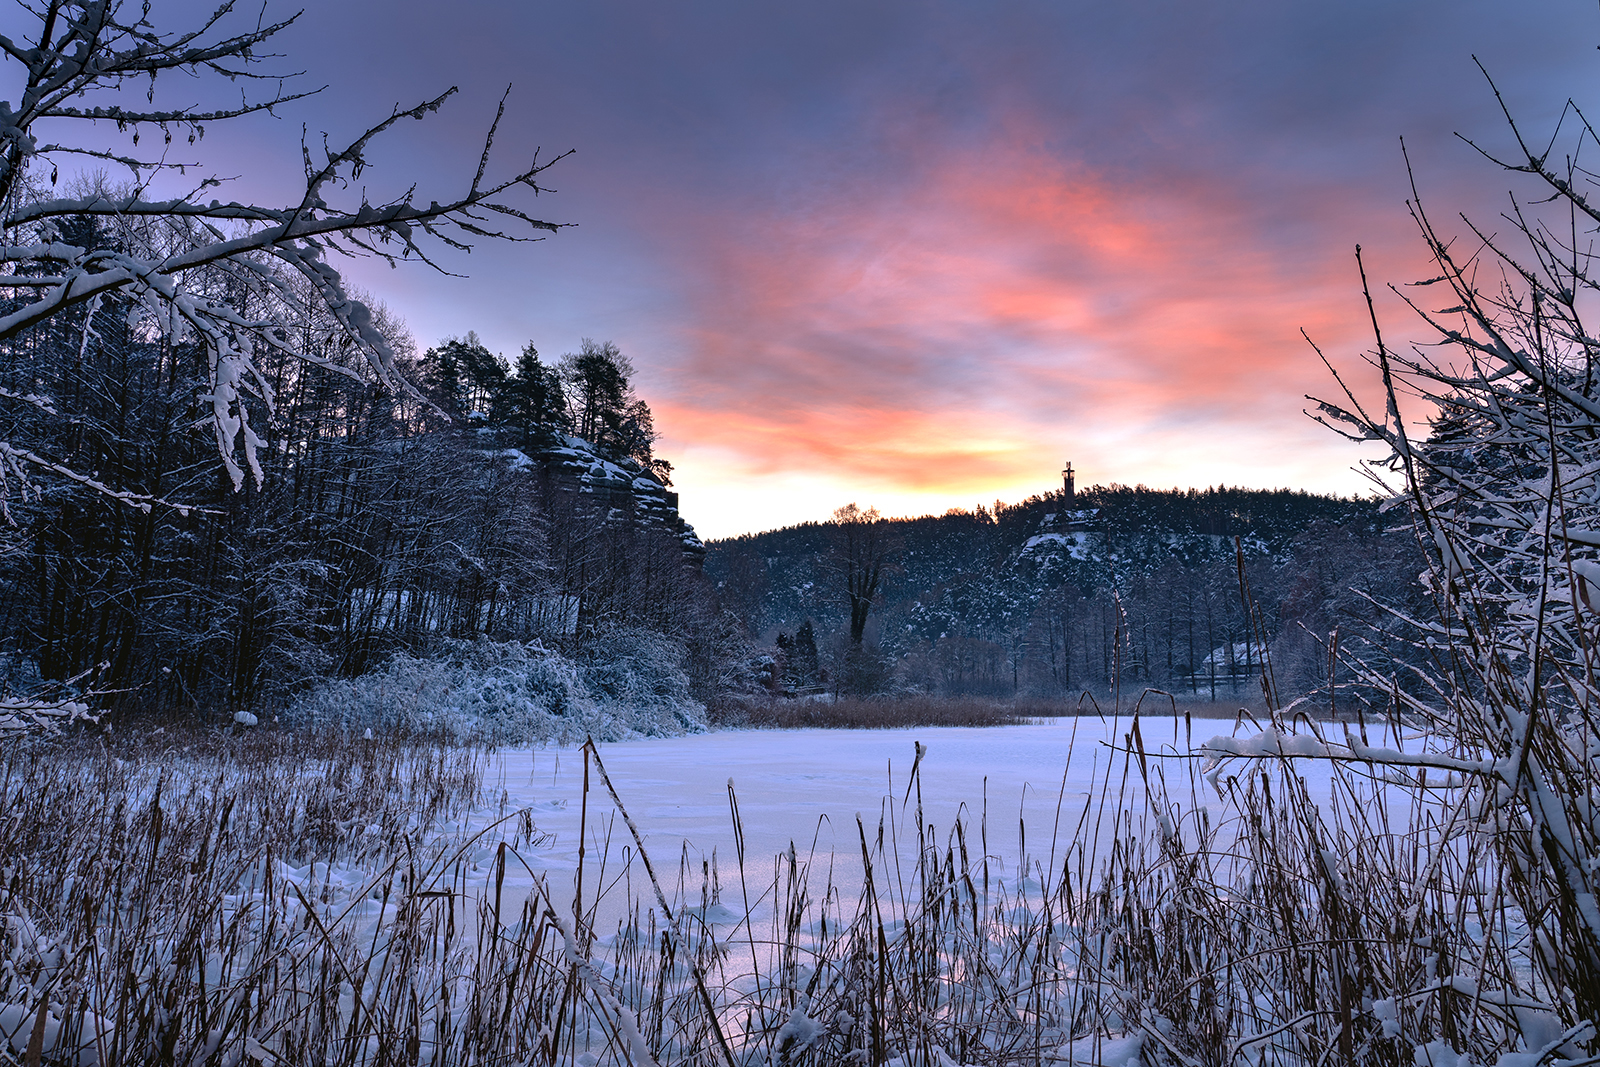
pixel 1070 518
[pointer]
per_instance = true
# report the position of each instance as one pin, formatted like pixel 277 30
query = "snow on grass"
pixel 630 684
pixel 1067 892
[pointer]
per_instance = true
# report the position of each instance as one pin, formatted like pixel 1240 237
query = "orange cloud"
pixel 963 332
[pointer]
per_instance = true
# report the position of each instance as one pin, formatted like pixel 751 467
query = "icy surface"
pixel 809 786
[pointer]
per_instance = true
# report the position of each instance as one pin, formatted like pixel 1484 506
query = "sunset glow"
pixel 919 254
pixel 955 340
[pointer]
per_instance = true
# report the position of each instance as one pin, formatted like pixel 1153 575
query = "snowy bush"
pixel 643 671
pixel 1492 432
pixel 506 693
pixel 23 714
pixel 45 707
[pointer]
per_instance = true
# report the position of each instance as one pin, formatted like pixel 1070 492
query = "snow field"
pixel 1055 893
pixel 806 787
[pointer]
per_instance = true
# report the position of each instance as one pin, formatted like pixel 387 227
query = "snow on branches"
pixel 1502 484
pixel 227 276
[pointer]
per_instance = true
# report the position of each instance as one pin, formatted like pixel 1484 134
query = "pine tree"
pixel 803 655
pixel 464 378
pixel 532 404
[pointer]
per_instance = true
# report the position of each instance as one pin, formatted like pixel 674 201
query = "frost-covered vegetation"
pixel 193 898
pixel 1124 586
pixel 209 899
pixel 632 683
pixel 224 477
pixel 1409 879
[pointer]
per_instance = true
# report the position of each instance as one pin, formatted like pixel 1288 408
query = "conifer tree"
pixel 803 655
pixel 604 410
pixel 532 403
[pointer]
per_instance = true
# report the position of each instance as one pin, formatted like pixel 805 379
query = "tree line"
pixel 1195 591
pixel 377 519
pixel 223 475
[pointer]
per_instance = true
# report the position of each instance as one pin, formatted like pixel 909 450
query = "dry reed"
pixel 281 900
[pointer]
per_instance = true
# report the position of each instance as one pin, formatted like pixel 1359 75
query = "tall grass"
pixel 895 712
pixel 276 899
pixel 858 713
pixel 193 898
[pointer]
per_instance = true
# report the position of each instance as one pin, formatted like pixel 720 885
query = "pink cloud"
pixel 940 333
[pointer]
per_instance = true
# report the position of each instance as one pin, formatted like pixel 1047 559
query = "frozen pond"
pixel 1020 791
pixel 1005 932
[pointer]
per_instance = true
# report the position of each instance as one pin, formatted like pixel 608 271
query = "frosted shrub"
pixel 510 693
pixel 1492 429
pixel 643 672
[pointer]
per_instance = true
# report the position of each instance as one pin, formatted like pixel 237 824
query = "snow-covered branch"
pixel 193 267
pixel 1502 482
pixel 27 714
pixel 1273 743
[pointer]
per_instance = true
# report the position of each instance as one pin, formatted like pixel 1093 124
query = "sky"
pixel 919 253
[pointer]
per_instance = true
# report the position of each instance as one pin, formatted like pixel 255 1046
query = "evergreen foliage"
pixel 604 409
pixel 800 667
pixel 532 405
pixel 463 378
pixel 1128 586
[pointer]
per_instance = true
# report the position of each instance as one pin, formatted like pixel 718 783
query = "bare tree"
pixel 212 273
pixel 110 292
pixel 861 552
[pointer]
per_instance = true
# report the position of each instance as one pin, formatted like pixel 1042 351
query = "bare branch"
pixel 167 255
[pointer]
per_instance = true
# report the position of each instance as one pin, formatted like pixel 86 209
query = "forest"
pixel 229 482
pixel 502 501
pixel 374 521
pixel 523 502
pixel 1122 587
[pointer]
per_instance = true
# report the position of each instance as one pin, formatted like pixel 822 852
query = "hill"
pixel 1116 585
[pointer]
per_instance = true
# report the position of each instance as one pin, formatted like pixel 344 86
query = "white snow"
pixel 1025 794
pixel 1077 545
pixel 1103 1052
pixel 809 786
pixel 518 459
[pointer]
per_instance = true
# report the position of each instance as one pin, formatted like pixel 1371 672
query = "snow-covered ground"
pixel 1066 927
pixel 1021 791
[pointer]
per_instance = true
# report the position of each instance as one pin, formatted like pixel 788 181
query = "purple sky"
pixel 918 254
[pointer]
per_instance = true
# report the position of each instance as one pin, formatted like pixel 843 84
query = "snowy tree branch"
pixel 166 254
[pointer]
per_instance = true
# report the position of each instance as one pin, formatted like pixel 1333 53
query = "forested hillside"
pixel 522 501
pixel 1123 585
pixel 514 502
pixel 227 482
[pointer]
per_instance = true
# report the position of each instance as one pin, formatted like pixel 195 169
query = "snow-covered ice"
pixel 808 787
